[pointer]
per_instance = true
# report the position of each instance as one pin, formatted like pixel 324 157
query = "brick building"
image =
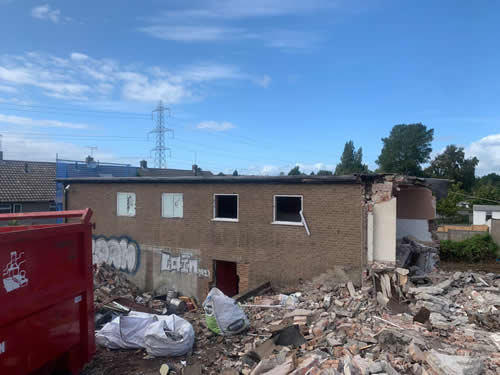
pixel 191 233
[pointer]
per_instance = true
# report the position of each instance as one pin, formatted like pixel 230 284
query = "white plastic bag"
pixel 223 315
pixel 159 344
pixel 142 330
pixel 109 336
pixel 133 328
pixel 288 301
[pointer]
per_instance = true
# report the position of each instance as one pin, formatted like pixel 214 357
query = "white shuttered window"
pixel 172 205
pixel 125 204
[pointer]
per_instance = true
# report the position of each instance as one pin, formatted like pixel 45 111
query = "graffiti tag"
pixel 184 263
pixel 122 253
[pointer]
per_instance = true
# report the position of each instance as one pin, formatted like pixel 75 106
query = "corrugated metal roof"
pixel 27 181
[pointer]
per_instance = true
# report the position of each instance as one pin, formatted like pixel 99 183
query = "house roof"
pixel 221 179
pixel 27 181
pixel 486 207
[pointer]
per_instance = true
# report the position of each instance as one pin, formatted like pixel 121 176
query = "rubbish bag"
pixel 170 336
pixel 109 336
pixel 223 315
pixel 124 332
pixel 133 329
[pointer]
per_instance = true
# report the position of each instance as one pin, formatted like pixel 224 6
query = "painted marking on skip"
pixel 2 347
pixel 14 276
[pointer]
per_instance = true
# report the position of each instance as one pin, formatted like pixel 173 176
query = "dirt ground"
pixel 126 362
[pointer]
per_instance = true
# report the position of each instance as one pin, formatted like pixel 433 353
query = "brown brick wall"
pixel 278 253
pixel 243 270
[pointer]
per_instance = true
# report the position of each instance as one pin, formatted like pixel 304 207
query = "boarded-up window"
pixel 287 208
pixel 172 205
pixel 125 204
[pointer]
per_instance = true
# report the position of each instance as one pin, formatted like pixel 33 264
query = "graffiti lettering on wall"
pixel 184 263
pixel 119 252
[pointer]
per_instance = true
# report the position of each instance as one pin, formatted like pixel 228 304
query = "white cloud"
pixel 215 126
pixel 282 39
pixel 26 148
pixel 42 78
pixel 7 89
pixel 184 33
pixel 210 72
pixel 233 9
pixel 149 91
pixel 83 78
pixel 487 150
pixel 44 12
pixel 28 121
pixel 78 56
pixel 213 21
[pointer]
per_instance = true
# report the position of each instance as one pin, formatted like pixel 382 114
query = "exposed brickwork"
pixel 243 271
pixel 278 253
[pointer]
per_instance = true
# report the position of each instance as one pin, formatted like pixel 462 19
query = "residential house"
pixel 482 214
pixel 27 186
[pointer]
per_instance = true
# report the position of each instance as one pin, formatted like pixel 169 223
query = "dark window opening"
pixel 226 206
pixel 5 208
pixel 288 209
pixel 17 208
pixel 488 216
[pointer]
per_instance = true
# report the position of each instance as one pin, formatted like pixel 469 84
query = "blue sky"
pixel 256 85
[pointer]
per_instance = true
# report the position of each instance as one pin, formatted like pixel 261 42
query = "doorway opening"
pixel 226 277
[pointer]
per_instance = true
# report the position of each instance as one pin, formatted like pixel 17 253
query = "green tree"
pixel 406 149
pixel 452 164
pixel 312 173
pixel 449 206
pixel 486 194
pixel 492 179
pixel 235 173
pixel 295 171
pixel 324 172
pixel 220 174
pixel 351 161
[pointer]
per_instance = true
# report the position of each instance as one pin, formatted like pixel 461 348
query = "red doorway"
pixel 226 277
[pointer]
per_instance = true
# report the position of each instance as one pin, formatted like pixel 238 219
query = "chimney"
pixel 144 164
pixel 89 159
pixel 1 155
pixel 195 170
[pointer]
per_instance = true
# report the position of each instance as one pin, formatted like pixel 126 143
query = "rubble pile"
pixel 418 258
pixel 443 323
pixel 340 329
pixel 108 283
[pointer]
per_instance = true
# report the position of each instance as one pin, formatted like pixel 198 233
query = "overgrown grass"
pixel 474 249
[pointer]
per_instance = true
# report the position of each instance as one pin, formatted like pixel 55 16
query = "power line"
pixel 474 197
pixel 24 107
